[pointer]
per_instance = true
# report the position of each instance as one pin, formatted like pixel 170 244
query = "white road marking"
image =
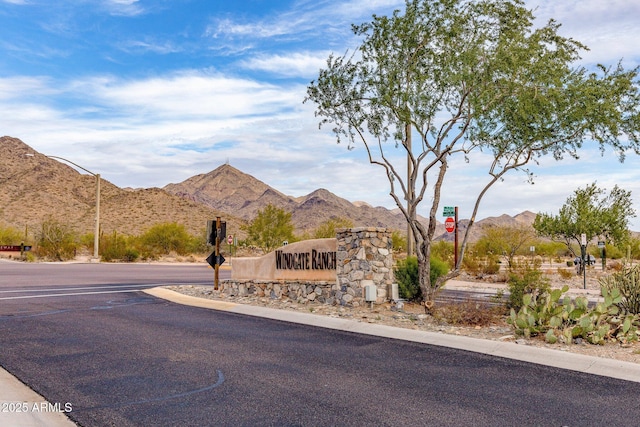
pixel 113 290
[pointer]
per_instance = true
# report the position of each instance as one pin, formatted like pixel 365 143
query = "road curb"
pixel 543 356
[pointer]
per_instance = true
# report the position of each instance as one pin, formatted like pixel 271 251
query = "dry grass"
pixel 469 313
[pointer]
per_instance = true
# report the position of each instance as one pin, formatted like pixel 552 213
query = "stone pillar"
pixel 364 257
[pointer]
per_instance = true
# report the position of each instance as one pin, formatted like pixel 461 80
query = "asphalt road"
pixel 128 359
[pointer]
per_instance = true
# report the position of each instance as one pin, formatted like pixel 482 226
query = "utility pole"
pixel 96 234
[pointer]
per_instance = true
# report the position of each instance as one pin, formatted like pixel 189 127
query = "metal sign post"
pixel 451 225
pixel 215 233
pixel 583 248
pixel 216 267
pixel 455 244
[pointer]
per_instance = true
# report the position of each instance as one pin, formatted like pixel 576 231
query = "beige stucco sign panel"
pixel 307 260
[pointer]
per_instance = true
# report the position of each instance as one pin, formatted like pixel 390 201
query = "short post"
pixel 603 254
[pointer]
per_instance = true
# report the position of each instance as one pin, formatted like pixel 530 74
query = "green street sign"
pixel 449 211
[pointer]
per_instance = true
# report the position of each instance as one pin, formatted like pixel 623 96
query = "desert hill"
pixel 34 187
pixel 228 189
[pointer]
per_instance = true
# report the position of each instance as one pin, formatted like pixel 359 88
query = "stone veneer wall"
pixel 364 257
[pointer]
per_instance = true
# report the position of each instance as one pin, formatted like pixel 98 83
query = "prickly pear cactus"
pixel 564 319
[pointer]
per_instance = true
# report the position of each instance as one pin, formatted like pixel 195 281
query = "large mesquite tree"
pixel 452 78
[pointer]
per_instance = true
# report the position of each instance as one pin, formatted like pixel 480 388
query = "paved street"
pixel 129 359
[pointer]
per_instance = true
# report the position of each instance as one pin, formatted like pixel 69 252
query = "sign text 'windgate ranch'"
pixel 314 260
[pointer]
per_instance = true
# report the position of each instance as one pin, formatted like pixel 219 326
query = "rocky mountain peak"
pixel 34 187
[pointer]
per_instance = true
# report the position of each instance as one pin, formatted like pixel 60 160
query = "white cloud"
pixel 194 95
pixel 296 64
pixel 162 48
pixel 123 7
pixel 154 127
pixel 325 18
pixel 608 28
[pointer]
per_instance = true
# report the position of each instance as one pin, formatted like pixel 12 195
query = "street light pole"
pixel 96 237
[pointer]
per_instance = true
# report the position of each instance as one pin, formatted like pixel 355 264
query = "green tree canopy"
pixel 328 228
pixel 164 238
pixel 504 240
pixel 270 228
pixel 591 212
pixel 456 78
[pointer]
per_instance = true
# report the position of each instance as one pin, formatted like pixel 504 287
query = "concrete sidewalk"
pixel 492 288
pixel 22 397
pixel 22 407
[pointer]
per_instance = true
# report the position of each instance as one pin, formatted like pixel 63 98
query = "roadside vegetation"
pixel 514 255
pixel 56 241
pixel 527 262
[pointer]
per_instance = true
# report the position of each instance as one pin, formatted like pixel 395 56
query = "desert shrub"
pixel 614 252
pixel 10 236
pixel 328 228
pixel 615 265
pixel 399 241
pixel 444 251
pixel 165 238
pixel 116 247
pixel 406 274
pixel 526 278
pixel 471 263
pixel 491 265
pixel 479 265
pixel 438 268
pixel 633 248
pixel 56 241
pixel 468 313
pixel 564 273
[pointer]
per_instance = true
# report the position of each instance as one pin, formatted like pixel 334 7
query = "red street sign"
pixel 230 239
pixel 14 248
pixel 449 224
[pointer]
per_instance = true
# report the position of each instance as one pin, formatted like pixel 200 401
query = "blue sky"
pixel 152 92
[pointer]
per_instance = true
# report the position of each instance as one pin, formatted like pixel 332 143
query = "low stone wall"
pixel 301 292
pixel 361 257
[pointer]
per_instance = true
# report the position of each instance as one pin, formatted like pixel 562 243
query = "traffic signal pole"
pixel 216 268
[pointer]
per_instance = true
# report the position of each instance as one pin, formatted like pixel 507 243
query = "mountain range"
pixel 34 188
